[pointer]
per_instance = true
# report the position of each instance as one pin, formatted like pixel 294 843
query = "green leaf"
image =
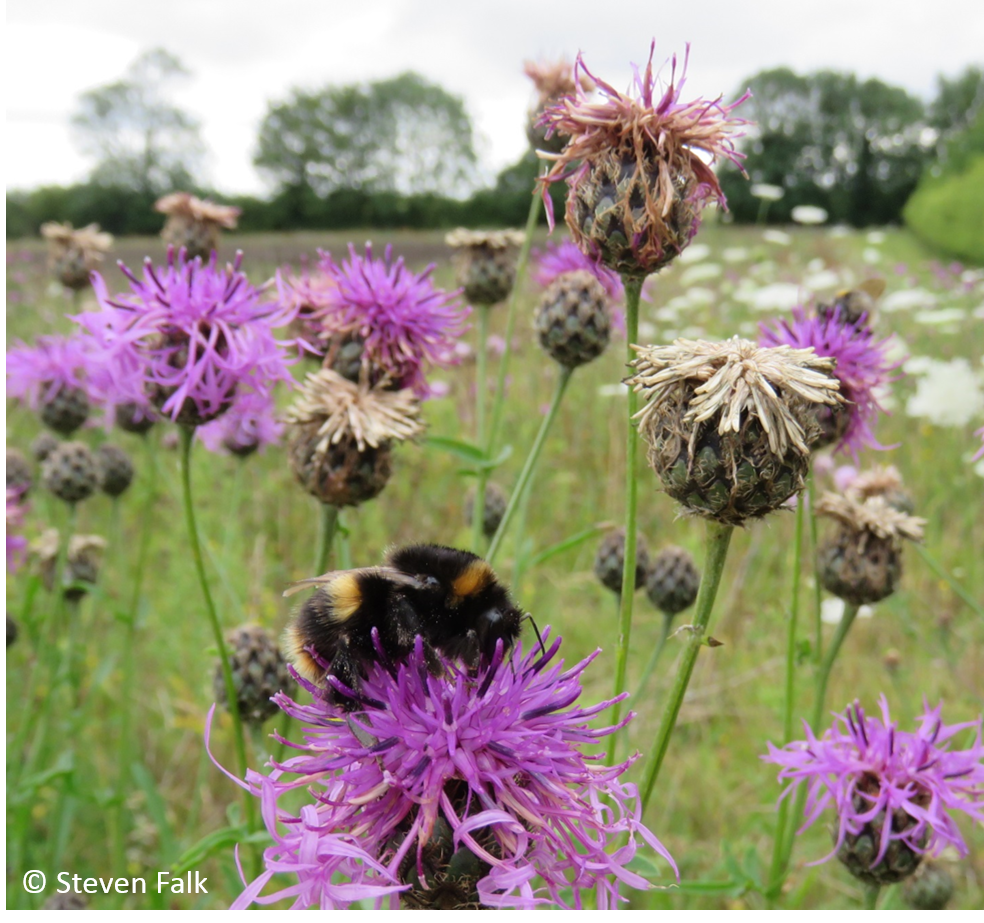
pixel 578 538
pixel 477 458
pixel 225 838
pixel 644 866
pixel 157 810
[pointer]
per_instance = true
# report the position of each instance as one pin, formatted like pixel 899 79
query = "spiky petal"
pixel 866 768
pixel 863 368
pixel 652 144
pixel 494 756
pixel 406 323
pixel 189 335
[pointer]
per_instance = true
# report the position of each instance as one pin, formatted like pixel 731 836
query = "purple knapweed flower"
pixel 16 543
pixel 248 425
pixel 188 336
pixel 405 323
pixel 566 257
pixel 895 786
pixel 306 293
pixel 36 374
pixel 633 163
pixel 863 370
pixel 474 771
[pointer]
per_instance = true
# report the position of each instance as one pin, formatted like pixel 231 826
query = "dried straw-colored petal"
pixel 877 481
pixel 737 377
pixel 185 205
pixel 874 515
pixel 90 240
pixel 554 79
pixel 372 416
pixel 45 547
pixel 489 240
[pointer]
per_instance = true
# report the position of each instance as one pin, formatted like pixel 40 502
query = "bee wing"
pixel 873 287
pixel 389 573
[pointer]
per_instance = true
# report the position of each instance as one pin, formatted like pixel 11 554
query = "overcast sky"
pixel 243 53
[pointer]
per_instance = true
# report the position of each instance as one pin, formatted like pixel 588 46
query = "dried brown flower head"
pixel 862 561
pixel 195 223
pixel 342 434
pixel 881 481
pixel 85 554
pixel 552 80
pixel 73 254
pixel 729 424
pixel 485 262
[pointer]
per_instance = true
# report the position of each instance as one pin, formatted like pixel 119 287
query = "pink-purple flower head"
pixel 902 784
pixel 249 425
pixel 434 769
pixel 306 294
pixel 980 452
pixel 405 323
pixel 863 370
pixel 36 374
pixel 634 164
pixel 189 336
pixel 16 543
pixel 557 259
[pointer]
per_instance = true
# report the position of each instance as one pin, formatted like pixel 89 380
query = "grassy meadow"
pixel 715 806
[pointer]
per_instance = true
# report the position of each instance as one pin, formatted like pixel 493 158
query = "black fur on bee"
pixel 450 598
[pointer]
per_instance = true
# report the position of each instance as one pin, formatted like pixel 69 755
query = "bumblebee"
pixel 855 303
pixel 450 598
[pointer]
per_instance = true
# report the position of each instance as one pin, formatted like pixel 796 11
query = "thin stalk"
pixel 871 893
pixel 481 399
pixel 789 699
pixel 811 493
pixel 129 654
pixel 653 659
pixel 633 291
pixel 717 539
pixel 326 537
pixel 940 572
pixel 781 867
pixel 529 465
pixel 187 437
pixel 522 262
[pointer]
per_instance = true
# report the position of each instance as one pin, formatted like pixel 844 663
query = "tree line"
pixel 401 152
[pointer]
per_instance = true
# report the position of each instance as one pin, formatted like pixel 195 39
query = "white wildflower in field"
pixel 780 238
pixel 940 317
pixel 809 214
pixel 735 254
pixel 947 394
pixel 695 253
pixel 779 296
pixel 700 273
pixel 832 611
pixel 907 299
pixel 818 281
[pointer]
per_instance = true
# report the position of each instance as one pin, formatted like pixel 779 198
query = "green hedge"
pixel 948 213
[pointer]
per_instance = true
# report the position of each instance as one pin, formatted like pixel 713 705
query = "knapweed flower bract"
pixel 892 789
pixel 405 323
pixel 862 370
pixel 16 543
pixel 189 337
pixel 729 424
pixel 452 788
pixel 53 378
pixel 637 182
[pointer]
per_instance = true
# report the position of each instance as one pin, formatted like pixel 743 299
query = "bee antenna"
pixel 529 618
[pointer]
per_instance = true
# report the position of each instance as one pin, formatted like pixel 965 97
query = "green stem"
pixel 781 867
pixel 718 537
pixel 871 893
pixel 522 262
pixel 664 636
pixel 326 536
pixel 481 399
pixel 129 654
pixel 789 701
pixel 529 466
pixel 633 291
pixel 937 569
pixel 187 437
pixel 811 493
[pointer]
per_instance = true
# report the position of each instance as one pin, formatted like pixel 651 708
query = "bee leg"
pixel 433 660
pixel 345 668
pixel 471 655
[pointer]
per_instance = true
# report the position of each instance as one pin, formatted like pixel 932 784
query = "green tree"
pixel 139 139
pixel 402 135
pixel 854 147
